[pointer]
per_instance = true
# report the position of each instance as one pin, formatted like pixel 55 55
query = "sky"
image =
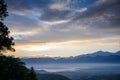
pixel 63 28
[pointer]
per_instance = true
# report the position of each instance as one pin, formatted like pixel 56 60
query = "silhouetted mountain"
pixel 99 56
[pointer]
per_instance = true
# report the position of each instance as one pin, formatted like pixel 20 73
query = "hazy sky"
pixel 63 27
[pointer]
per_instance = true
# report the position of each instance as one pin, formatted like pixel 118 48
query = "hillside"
pixel 51 77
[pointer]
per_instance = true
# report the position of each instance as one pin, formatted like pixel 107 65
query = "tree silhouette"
pixel 3 10
pixel 11 68
pixel 31 75
pixel 14 69
pixel 6 41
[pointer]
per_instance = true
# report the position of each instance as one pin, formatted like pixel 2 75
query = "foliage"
pixel 13 69
pixel 10 68
pixel 3 10
pixel 31 75
pixel 6 41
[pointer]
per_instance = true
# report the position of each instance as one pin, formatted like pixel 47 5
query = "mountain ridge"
pixel 101 53
pixel 99 56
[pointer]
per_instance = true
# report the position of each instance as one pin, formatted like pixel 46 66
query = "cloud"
pixel 26 5
pixel 98 8
pixel 58 27
pixel 51 20
pixel 21 22
pixel 56 15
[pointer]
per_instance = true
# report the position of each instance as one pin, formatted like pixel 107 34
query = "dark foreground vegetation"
pixel 13 69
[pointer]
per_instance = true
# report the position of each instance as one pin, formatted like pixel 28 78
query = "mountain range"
pixel 96 57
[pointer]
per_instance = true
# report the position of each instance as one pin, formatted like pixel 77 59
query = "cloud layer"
pixel 46 21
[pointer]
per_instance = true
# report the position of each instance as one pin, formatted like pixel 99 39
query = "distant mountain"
pixel 100 53
pixel 95 57
pixel 38 60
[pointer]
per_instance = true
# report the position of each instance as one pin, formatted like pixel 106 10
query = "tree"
pixel 11 68
pixel 31 75
pixel 6 41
